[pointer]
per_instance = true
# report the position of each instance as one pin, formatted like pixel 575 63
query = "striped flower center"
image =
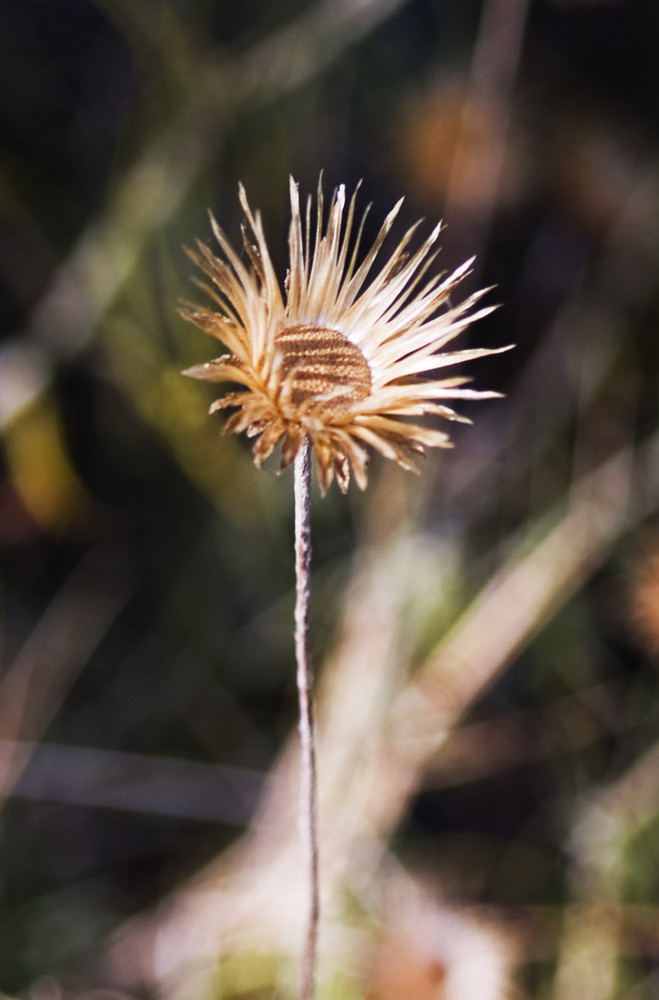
pixel 323 364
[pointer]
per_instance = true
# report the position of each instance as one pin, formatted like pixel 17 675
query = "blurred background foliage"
pixel 502 609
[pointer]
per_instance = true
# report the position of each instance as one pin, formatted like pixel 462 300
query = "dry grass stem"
pixel 308 810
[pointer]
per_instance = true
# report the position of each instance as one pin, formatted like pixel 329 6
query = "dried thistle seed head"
pixel 322 365
pixel 348 354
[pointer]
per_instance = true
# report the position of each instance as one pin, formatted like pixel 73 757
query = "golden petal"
pixel 237 423
pixel 342 472
pixel 225 369
pixel 214 323
pixel 265 444
pixel 226 402
pixel 291 444
pixel 324 467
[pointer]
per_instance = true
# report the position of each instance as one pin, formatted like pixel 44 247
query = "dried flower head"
pixel 338 360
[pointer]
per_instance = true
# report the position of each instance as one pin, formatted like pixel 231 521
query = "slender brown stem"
pixel 308 825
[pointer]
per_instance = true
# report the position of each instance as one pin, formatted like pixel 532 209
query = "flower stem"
pixel 308 807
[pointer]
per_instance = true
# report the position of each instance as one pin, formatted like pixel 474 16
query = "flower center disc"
pixel 323 365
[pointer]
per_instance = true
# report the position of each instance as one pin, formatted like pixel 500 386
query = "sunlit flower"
pixel 346 355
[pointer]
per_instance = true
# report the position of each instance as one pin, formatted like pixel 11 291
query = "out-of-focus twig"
pixel 476 171
pixel 477 750
pixel 35 684
pixel 109 779
pixel 517 601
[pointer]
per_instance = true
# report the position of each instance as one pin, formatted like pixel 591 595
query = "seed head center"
pixel 323 364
